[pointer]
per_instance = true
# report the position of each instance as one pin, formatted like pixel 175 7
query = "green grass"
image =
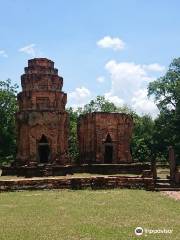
pixel 105 214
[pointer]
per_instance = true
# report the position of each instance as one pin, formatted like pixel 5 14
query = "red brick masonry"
pixel 42 122
pixel 105 137
pixel 77 183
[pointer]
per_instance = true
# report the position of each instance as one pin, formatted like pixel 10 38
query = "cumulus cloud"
pixel 79 96
pixel 126 77
pixel 115 99
pixel 29 49
pixel 3 53
pixel 113 43
pixel 128 84
pixel 100 79
pixel 142 104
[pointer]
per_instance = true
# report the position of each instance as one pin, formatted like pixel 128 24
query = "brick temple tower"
pixel 105 138
pixel 42 122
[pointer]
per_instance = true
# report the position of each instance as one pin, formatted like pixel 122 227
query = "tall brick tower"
pixel 42 122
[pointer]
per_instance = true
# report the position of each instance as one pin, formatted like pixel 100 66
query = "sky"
pixel 101 47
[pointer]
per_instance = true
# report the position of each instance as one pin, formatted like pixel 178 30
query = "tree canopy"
pixel 166 91
pixel 8 107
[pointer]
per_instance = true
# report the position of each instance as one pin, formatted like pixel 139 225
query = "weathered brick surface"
pixel 77 183
pixel 41 113
pixel 102 134
pixel 104 169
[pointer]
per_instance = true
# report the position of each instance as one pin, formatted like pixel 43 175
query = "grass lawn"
pixel 102 214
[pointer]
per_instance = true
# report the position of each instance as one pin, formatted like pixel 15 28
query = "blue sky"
pixel 101 47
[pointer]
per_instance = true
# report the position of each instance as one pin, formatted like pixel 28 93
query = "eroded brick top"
pixel 106 116
pixel 43 62
pixel 41 66
pixel 41 75
pixel 41 87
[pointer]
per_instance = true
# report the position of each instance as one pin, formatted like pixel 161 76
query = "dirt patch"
pixel 8 205
pixel 172 194
pixel 35 194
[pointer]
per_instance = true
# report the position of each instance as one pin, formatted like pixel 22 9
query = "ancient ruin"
pixel 42 140
pixel 174 170
pixel 42 122
pixel 105 138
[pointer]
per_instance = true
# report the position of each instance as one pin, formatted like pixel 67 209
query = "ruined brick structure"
pixel 42 122
pixel 105 138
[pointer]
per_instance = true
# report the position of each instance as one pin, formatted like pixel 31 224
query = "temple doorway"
pixel 43 150
pixel 108 152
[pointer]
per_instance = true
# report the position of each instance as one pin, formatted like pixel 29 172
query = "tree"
pixel 8 107
pixel 142 139
pixel 101 104
pixel 72 141
pixel 166 91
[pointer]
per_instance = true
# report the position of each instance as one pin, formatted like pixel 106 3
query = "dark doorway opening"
pixel 43 150
pixel 108 153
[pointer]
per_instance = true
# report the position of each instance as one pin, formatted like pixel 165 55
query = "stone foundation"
pixel 77 183
pixel 48 170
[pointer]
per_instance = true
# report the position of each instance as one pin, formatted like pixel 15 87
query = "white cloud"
pixel 128 85
pixel 29 49
pixel 142 104
pixel 115 99
pixel 100 79
pixel 154 67
pixel 79 96
pixel 126 77
pixel 3 53
pixel 109 42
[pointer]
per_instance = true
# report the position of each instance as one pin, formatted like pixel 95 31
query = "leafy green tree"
pixel 100 104
pixel 72 141
pixel 162 132
pixel 166 91
pixel 142 139
pixel 8 107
